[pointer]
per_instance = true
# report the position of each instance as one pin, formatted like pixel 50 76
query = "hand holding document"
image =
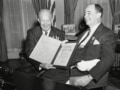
pixel 87 65
pixel 47 66
pixel 45 49
pixel 52 51
pixel 64 42
pixel 64 54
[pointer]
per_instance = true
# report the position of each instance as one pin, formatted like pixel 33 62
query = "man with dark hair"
pixel 94 53
pixel 34 34
pixel 99 9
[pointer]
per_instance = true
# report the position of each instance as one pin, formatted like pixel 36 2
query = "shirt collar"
pixel 48 32
pixel 93 29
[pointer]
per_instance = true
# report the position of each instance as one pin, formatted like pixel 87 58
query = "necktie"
pixel 46 33
pixel 85 37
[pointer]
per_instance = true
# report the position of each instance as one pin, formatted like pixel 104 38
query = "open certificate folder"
pixel 50 50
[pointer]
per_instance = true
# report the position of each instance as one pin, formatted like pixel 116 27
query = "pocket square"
pixel 96 42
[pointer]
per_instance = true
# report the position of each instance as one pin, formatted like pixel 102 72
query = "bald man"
pixel 93 56
pixel 34 34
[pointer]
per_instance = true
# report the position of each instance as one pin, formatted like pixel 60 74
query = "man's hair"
pixel 99 9
pixel 46 11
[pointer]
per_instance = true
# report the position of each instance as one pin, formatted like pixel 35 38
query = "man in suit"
pixel 34 34
pixel 94 55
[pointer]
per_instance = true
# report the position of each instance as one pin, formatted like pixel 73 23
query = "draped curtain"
pixel 38 5
pixel 115 9
pixel 69 9
pixel 18 17
pixel 3 47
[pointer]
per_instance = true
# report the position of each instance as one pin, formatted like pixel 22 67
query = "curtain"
pixel 38 5
pixel 115 9
pixel 3 47
pixel 69 9
pixel 18 17
pixel 13 26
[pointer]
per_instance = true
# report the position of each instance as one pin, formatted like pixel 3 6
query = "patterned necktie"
pixel 85 37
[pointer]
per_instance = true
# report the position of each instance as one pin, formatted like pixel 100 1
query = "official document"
pixel 64 54
pixel 49 50
pixel 45 49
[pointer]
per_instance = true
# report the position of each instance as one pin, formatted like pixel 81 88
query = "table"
pixel 25 81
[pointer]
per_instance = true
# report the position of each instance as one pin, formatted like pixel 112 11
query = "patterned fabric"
pixel 3 47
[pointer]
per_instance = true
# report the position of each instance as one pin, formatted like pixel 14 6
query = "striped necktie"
pixel 84 38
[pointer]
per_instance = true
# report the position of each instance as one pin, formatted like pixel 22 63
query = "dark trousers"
pixel 99 88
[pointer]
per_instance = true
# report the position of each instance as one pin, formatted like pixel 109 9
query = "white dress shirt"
pixel 48 32
pixel 92 30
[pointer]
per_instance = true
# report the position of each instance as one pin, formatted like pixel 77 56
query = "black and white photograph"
pixel 59 44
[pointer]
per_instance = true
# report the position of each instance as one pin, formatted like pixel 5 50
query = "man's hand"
pixel 63 42
pixel 81 80
pixel 47 66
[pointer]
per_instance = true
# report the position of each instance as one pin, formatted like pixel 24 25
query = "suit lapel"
pixel 52 33
pixel 80 37
pixel 95 35
pixel 99 29
pixel 38 33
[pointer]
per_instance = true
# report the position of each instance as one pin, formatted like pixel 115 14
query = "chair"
pixel 26 66
pixel 70 31
pixel 103 82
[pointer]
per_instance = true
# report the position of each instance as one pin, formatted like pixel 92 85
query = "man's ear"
pixel 38 20
pixel 99 14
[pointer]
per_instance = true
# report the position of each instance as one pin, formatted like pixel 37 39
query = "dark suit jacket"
pixel 33 36
pixel 103 51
